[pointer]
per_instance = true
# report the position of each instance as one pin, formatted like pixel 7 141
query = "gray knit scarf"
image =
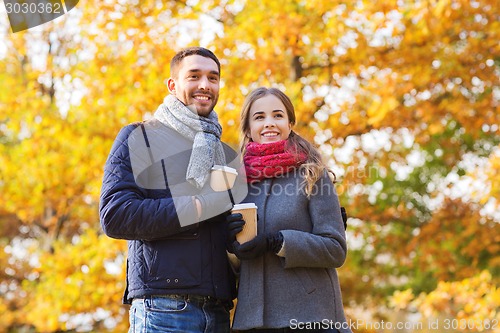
pixel 205 133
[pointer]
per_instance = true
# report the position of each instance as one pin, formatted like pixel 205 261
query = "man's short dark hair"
pixel 196 50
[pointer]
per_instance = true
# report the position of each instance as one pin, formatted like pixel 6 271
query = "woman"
pixel 288 281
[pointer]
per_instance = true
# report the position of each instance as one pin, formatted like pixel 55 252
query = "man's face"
pixel 197 83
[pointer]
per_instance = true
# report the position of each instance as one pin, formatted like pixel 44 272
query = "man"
pixel 156 194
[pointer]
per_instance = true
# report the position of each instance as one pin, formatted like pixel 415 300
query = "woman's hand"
pixel 258 246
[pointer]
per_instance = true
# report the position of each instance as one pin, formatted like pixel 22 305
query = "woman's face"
pixel 268 120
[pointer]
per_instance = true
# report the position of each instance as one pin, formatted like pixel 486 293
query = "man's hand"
pixel 235 225
pixel 212 204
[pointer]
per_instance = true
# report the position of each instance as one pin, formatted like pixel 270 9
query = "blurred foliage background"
pixel 402 97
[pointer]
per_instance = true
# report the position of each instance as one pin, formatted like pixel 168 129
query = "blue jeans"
pixel 179 314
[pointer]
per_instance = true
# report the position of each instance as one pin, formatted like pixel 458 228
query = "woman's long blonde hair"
pixel 313 168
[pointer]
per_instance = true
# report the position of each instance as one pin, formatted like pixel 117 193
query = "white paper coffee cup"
pixel 249 213
pixel 222 178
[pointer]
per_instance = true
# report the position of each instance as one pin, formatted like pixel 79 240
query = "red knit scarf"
pixel 270 160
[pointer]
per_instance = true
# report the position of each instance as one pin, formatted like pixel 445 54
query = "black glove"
pixel 258 246
pixel 235 225
pixel 344 216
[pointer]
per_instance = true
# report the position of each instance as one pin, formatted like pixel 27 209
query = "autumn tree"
pixel 402 98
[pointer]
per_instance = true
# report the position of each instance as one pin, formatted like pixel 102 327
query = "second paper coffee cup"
pixel 222 178
pixel 249 213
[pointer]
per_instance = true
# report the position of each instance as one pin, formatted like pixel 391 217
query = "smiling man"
pixel 156 194
pixel 195 81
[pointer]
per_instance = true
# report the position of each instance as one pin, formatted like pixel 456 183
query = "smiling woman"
pixel 289 268
pixel 267 116
pixel 269 121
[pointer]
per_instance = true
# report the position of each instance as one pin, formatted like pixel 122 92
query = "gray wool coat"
pixel 302 286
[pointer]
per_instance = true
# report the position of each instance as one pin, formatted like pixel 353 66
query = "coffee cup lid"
pixel 244 206
pixel 225 168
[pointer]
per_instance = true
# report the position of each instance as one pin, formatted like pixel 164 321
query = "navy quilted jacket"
pixel 136 204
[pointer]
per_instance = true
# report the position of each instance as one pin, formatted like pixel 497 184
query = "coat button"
pixel 168 280
pixel 176 280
